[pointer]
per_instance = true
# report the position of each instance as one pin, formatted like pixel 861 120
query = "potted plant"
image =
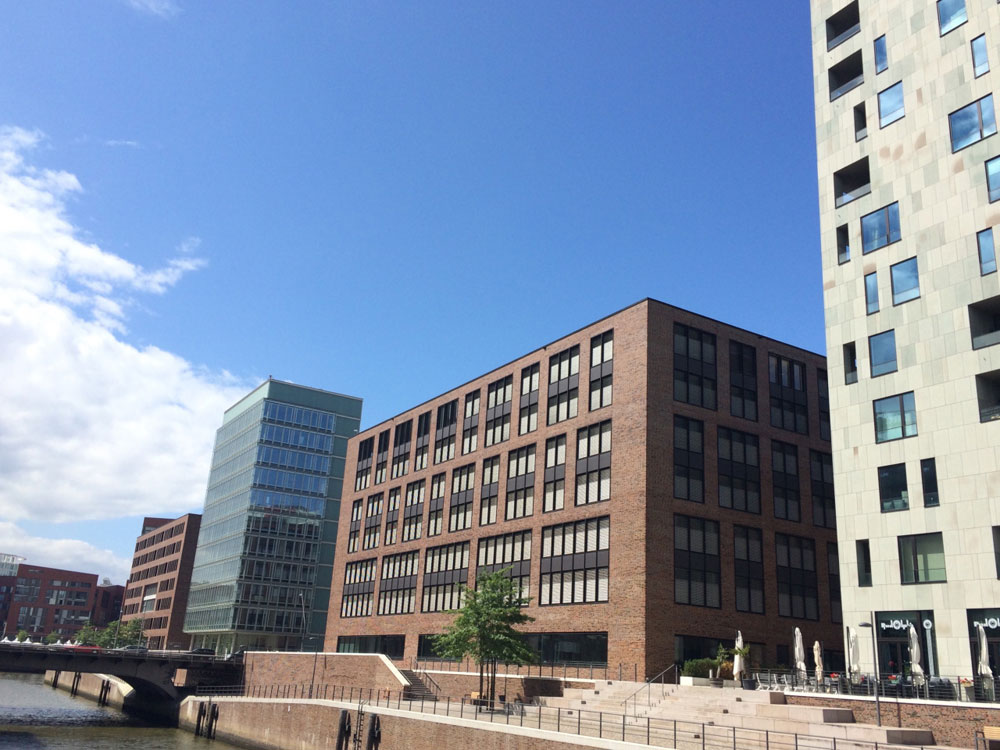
pixel 967 688
pixel 696 671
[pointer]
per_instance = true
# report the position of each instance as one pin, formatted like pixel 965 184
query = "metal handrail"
pixel 425 676
pixel 647 731
pixel 661 677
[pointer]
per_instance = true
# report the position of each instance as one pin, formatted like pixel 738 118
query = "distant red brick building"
pixel 157 588
pixel 107 604
pixel 48 600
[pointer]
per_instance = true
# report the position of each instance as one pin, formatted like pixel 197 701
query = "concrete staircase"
pixel 417 690
pixel 758 718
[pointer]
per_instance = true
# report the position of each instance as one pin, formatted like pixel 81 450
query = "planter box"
pixel 701 681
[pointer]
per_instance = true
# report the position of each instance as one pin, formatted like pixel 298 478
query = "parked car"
pixel 203 651
pixel 237 656
pixel 83 649
pixel 135 649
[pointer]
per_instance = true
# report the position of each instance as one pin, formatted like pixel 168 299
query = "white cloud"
pixel 123 142
pixel 161 8
pixel 67 554
pixel 91 427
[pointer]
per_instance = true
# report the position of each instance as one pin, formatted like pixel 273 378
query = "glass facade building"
pixel 262 569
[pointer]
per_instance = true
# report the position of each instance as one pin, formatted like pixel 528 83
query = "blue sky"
pixel 381 199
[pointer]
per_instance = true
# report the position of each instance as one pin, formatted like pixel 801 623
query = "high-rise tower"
pixel 908 176
pixel 262 569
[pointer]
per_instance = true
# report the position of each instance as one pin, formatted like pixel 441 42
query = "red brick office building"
pixel 655 481
pixel 157 588
pixel 49 600
pixel 107 604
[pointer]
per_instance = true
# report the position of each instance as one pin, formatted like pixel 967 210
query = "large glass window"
pixel 928 478
pixel 871 293
pixel 895 417
pixel 972 123
pixel 980 60
pixel 987 252
pixel 593 463
pixel 789 403
pixel 921 558
pixel 574 562
pixel 864 553
pixel 742 380
pixel 993 178
pixel 880 228
pixel 892 487
pixel 882 352
pixel 689 459
pixel 951 14
pixel 905 281
pixel 890 105
pixel 694 366
pixel 798 591
pixel 739 471
pixel 564 384
pixel 881 55
pixel 601 370
pixel 785 476
pixel 748 554
pixel 697 578
pixel 821 480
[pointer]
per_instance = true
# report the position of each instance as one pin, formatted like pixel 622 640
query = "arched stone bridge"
pixel 150 674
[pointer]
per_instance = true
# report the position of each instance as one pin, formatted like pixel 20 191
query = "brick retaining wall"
pixel 278 725
pixel 953 724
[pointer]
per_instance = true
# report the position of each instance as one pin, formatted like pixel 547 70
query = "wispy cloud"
pixel 92 426
pixel 68 554
pixel 116 143
pixel 161 8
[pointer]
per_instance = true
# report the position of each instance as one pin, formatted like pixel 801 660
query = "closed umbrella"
pixel 855 656
pixel 818 658
pixel 915 669
pixel 738 657
pixel 984 653
pixel 800 655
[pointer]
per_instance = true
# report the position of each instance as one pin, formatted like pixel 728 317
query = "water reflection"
pixel 33 715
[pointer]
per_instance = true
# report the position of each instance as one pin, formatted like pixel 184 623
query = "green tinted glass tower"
pixel 262 570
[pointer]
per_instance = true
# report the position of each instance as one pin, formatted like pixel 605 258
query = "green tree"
pixel 87 635
pixel 22 636
pixel 51 638
pixel 484 629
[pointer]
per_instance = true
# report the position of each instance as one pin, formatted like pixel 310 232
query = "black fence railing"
pixel 565 669
pixel 682 735
pixel 936 688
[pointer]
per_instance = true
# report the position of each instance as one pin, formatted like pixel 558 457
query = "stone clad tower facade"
pixel 908 180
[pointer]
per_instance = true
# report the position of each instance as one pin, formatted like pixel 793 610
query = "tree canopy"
pixel 484 628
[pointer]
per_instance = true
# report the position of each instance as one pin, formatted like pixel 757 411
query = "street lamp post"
pixel 878 706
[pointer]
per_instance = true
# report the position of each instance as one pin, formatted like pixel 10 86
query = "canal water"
pixel 34 716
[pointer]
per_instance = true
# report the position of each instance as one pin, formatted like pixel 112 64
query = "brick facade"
pixel 640 617
pixel 50 600
pixel 953 725
pixel 157 588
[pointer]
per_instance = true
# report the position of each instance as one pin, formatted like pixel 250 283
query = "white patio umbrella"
pixel 818 658
pixel 738 658
pixel 984 654
pixel 855 652
pixel 915 669
pixel 800 655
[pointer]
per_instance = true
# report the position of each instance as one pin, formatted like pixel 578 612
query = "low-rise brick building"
pixel 157 589
pixel 655 480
